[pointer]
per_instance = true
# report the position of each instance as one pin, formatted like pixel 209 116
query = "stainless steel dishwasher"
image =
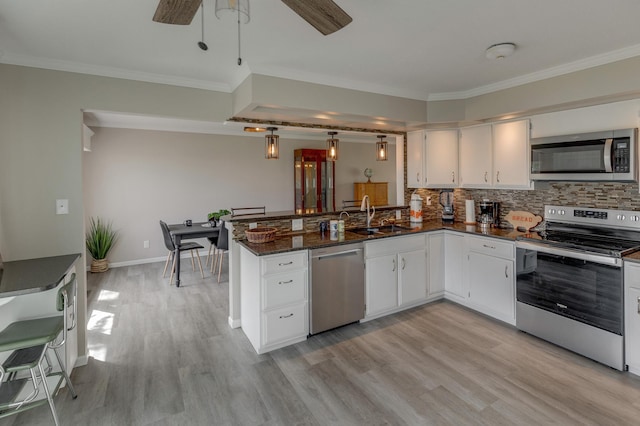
pixel 336 278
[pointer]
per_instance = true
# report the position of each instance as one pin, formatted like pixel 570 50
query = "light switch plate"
pixel 253 225
pixel 296 225
pixel 62 206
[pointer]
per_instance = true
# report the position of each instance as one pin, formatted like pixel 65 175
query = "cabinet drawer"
pixel 282 289
pixel 285 323
pixel 491 246
pixel 285 262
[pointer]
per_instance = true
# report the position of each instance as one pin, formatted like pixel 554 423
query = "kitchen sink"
pixel 386 229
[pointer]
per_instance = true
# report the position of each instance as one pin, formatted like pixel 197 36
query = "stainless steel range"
pixel 569 281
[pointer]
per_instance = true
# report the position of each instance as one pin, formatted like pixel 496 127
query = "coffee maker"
pixel 446 201
pixel 489 213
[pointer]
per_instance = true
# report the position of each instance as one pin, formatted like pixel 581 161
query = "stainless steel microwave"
pixel 599 156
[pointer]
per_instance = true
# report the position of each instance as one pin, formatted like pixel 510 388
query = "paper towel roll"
pixel 470 211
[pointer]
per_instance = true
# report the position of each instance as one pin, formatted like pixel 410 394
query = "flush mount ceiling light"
pixel 332 147
pixel 255 129
pixel 500 50
pixel 271 145
pixel 381 148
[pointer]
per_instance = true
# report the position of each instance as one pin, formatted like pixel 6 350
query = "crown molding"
pixel 583 64
pixel 81 68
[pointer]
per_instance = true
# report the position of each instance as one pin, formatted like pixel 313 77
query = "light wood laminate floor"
pixel 163 355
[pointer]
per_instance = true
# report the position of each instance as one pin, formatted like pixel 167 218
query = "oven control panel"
pixel 624 219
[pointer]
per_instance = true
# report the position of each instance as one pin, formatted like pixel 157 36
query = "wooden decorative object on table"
pixel 522 220
pixel 261 235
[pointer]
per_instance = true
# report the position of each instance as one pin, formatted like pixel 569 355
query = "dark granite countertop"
pixel 21 277
pixel 291 214
pixel 312 240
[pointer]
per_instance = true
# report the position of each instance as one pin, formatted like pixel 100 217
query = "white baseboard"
pixel 184 255
pixel 82 360
pixel 234 323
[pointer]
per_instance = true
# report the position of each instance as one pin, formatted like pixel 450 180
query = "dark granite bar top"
pixel 312 240
pixel 291 214
pixel 21 277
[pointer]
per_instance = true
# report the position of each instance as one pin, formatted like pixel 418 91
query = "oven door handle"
pixel 604 260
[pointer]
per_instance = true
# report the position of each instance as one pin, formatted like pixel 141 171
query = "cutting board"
pixel 522 220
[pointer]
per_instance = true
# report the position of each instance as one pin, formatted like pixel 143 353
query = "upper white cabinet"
pixel 495 155
pixel 511 154
pixel 476 163
pixel 432 159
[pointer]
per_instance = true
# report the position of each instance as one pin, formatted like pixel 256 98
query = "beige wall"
pixel 134 178
pixel 41 157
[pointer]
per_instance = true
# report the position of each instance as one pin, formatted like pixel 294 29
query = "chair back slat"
pixel 223 237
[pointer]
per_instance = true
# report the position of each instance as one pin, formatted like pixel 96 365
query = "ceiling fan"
pixel 324 15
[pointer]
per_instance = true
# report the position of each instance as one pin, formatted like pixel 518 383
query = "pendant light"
pixel 271 145
pixel 241 9
pixel 332 147
pixel 381 148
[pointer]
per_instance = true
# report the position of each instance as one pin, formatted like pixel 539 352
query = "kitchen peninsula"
pixel 417 255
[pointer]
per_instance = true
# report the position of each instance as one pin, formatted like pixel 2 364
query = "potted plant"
pixel 99 240
pixel 214 217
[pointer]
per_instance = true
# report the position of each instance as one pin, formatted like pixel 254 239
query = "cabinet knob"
pixel 453 177
pixel 506 272
pixel 394 264
pixel 403 263
pixel 639 305
pixel 485 176
pixel 286 316
pixel 498 176
pixel 418 177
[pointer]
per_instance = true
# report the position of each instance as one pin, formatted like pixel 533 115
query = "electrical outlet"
pixel 253 225
pixel 145 244
pixel 296 225
pixel 429 200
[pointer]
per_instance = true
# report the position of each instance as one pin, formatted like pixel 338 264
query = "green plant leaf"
pixel 100 238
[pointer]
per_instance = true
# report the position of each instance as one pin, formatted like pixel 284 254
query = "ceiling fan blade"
pixel 324 15
pixel 178 12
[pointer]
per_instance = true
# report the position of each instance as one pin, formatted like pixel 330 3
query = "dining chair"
pixel 211 254
pixel 221 247
pixel 28 369
pixel 168 242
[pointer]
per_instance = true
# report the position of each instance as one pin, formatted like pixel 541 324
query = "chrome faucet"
pixel 366 207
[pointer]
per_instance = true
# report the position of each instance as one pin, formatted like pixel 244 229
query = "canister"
pixel 415 210
pixel 333 226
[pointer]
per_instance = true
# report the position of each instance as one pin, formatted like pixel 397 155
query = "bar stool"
pixel 30 340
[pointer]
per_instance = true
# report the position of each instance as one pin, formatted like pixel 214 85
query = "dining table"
pixel 182 231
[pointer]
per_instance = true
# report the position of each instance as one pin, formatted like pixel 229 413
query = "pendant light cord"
pixel 239 55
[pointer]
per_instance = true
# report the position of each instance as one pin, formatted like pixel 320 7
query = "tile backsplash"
pixel 614 195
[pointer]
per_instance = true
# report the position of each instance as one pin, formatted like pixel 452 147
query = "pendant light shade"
pixel 381 148
pixel 271 145
pixel 332 147
pixel 240 7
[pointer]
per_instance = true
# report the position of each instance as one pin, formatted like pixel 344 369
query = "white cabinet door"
pixel 491 285
pixel 436 263
pixel 476 164
pixel 632 330
pixel 441 159
pixel 382 283
pixel 511 154
pixel 453 255
pixel 415 159
pixel 632 316
pixel 412 276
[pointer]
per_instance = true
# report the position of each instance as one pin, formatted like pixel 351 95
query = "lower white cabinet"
pixel 396 274
pixel 632 316
pixel 435 242
pixel 453 254
pixel 274 299
pixel 489 277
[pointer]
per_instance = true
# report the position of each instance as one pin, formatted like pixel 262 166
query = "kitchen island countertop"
pixel 312 240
